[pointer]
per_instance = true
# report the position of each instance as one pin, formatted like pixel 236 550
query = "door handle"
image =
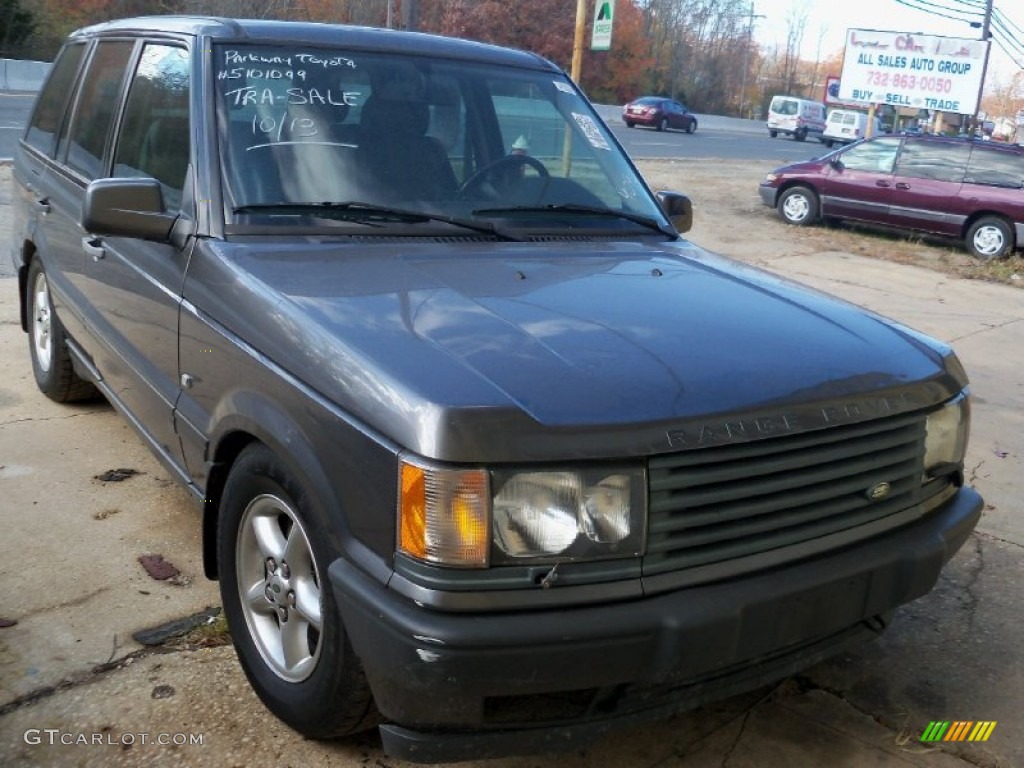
pixel 41 205
pixel 882 183
pixel 902 185
pixel 93 247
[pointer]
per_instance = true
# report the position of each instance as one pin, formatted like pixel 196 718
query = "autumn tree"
pixel 16 24
pixel 621 73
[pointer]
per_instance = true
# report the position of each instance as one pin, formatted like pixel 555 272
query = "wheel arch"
pixel 260 420
pixel 224 455
pixel 308 451
pixel 977 216
pixel 790 183
pixel 28 253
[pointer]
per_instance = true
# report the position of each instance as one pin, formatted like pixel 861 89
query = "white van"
pixel 799 118
pixel 846 125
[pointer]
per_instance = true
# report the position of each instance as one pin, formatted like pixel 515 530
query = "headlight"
pixel 946 441
pixel 770 178
pixel 474 518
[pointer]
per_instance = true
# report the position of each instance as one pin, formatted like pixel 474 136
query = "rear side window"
pixel 42 129
pixel 934 160
pixel 995 168
pixel 154 137
pixel 784 106
pixel 97 102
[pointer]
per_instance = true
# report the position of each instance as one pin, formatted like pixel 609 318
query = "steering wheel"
pixel 509 166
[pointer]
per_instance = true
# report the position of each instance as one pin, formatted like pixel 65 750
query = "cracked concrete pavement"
pixel 71 542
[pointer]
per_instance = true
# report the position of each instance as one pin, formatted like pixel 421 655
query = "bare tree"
pixel 796 24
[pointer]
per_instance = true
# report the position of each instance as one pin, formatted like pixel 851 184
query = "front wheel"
pixel 662 124
pixel 990 238
pixel 691 127
pixel 800 135
pixel 798 206
pixel 273 554
pixel 51 362
pixel 773 134
pixel 630 124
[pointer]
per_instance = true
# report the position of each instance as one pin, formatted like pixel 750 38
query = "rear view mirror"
pixel 678 208
pixel 126 208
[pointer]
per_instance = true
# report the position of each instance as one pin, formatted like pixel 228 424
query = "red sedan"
pixel 660 113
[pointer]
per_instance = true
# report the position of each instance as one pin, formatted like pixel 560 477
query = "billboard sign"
pixel 912 70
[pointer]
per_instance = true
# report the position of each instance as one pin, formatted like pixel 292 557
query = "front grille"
pixel 720 504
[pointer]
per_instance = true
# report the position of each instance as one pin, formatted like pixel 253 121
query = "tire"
pixel 47 343
pixel 828 143
pixel 630 124
pixel 800 135
pixel 773 134
pixel 990 238
pixel 662 124
pixel 273 547
pixel 691 127
pixel 798 206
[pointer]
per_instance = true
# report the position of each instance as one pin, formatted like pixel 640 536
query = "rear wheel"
pixel 801 134
pixel 829 143
pixel 692 126
pixel 990 238
pixel 273 553
pixel 773 134
pixel 630 124
pixel 51 362
pixel 798 206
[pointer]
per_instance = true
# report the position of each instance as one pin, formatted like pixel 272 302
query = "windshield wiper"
pixel 637 218
pixel 368 213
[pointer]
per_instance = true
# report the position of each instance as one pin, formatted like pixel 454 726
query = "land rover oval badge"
pixel 878 491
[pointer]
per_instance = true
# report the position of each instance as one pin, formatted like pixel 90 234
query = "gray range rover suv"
pixel 486 454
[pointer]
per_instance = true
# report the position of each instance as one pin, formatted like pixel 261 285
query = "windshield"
pixel 309 134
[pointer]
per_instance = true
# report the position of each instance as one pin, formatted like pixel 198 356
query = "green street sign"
pixel 604 13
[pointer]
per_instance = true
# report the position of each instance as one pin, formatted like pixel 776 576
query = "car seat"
pixel 399 159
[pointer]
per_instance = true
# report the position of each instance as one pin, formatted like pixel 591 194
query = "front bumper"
pixel 462 686
pixel 767 193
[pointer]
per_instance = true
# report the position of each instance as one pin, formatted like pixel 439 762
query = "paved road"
pixel 715 137
pixel 14 111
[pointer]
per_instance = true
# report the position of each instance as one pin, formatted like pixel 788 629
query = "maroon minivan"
pixel 971 190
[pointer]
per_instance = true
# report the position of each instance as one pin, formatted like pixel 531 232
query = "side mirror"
pixel 678 208
pixel 836 163
pixel 126 208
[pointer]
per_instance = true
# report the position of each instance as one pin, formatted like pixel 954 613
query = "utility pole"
pixel 746 55
pixel 577 42
pixel 985 34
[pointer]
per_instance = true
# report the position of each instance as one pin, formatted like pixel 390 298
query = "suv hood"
pixel 512 351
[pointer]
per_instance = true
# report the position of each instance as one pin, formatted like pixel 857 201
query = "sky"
pixel 828 20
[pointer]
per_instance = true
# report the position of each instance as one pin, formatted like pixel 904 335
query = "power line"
pixel 1009 22
pixel 1007 51
pixel 998 25
pixel 1008 46
pixel 935 13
